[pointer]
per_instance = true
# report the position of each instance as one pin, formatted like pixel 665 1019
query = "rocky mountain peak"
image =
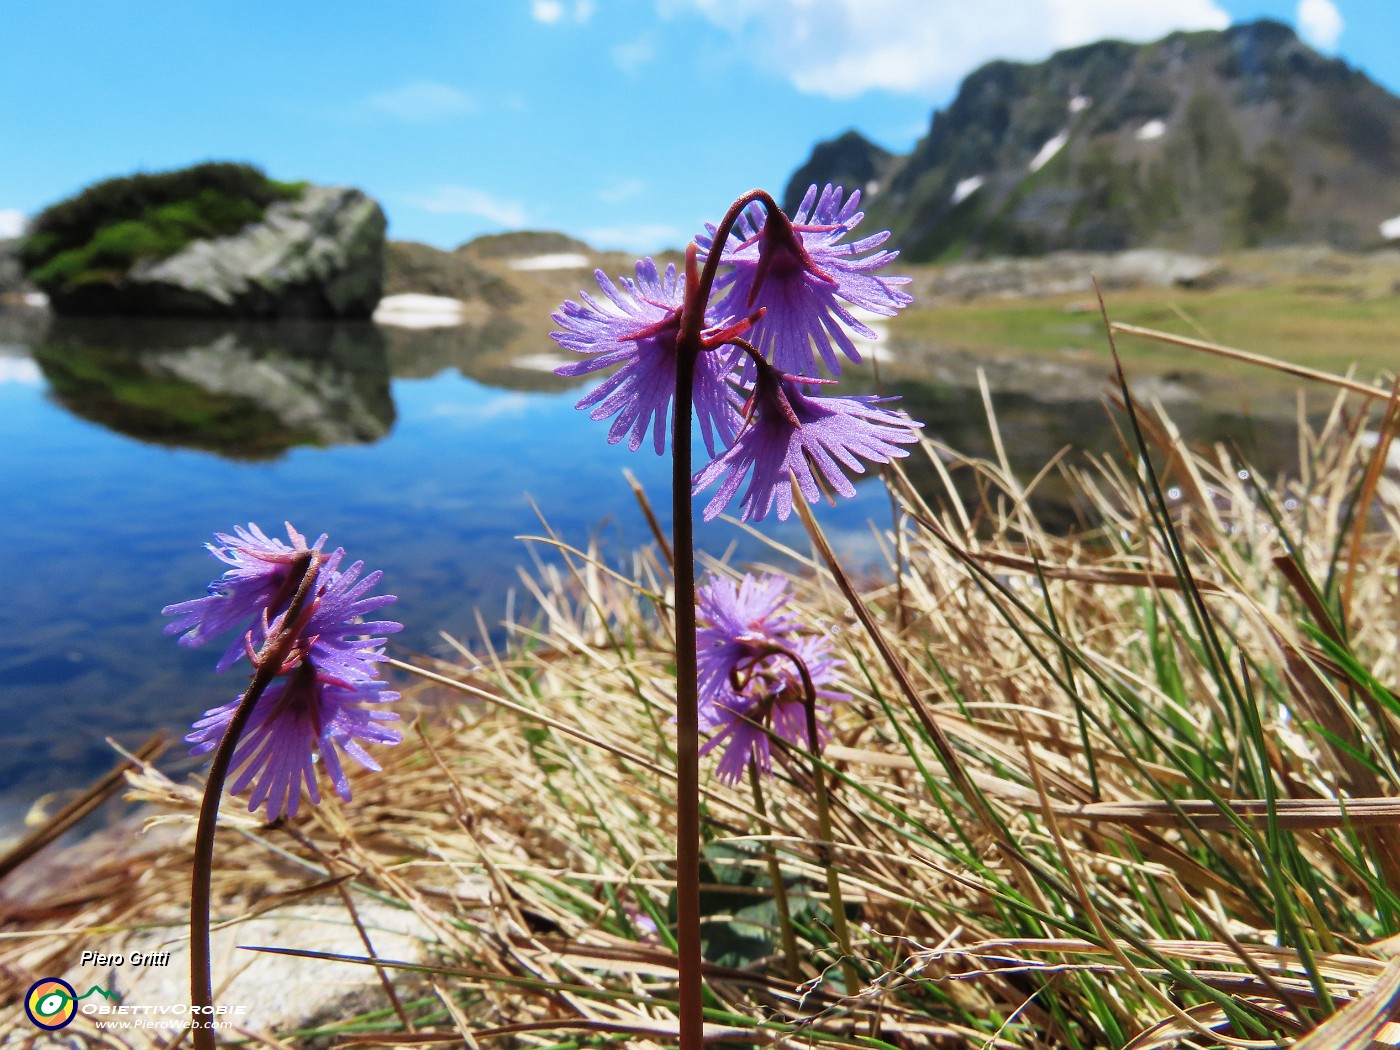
pixel 1201 142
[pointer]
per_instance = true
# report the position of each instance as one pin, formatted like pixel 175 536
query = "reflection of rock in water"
pixel 498 352
pixel 20 328
pixel 248 391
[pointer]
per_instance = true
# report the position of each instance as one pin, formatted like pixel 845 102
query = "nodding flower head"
pixel 324 696
pixel 790 433
pixel 751 655
pixel 807 278
pixel 638 333
pixel 303 716
pixel 264 576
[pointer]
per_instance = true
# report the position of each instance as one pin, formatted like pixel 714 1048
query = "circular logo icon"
pixel 51 1003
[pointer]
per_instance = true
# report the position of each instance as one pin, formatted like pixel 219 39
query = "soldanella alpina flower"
pixel 303 716
pixel 788 433
pixel 260 583
pixel 324 695
pixel 639 334
pixel 751 653
pixel 735 618
pixel 787 285
pixel 807 277
pixel 674 344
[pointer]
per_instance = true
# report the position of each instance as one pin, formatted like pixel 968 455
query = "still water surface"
pixel 124 446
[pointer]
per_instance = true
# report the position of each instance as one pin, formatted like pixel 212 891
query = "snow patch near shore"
pixel 1390 229
pixel 20 370
pixel 540 362
pixel 552 261
pixel 414 310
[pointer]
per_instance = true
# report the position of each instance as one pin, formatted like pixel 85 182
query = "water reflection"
pixel 497 351
pixel 249 391
pixel 429 485
pixel 1044 406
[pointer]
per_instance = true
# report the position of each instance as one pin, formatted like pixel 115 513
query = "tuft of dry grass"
pixel 1137 786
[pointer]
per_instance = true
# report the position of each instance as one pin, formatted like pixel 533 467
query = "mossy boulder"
pixel 215 240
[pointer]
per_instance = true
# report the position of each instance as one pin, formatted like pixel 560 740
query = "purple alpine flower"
pixel 741 619
pixel 790 432
pixel 322 697
pixel 802 273
pixel 262 581
pixel 337 641
pixel 750 684
pixel 640 334
pixel 303 715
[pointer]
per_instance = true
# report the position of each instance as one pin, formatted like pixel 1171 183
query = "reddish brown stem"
pixel 269 663
pixel 688 350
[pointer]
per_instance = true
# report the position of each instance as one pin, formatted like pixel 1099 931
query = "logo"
pixel 52 1004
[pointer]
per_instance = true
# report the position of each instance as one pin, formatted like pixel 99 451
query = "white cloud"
pixel 422 101
pixel 841 48
pixel 623 190
pixel 642 237
pixel 1320 23
pixel 11 222
pixel 464 200
pixel 552 12
pixel 546 11
pixel 631 55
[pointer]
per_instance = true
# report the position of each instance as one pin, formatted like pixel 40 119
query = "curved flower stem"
pixel 269 664
pixel 833 883
pixel 775 876
pixel 833 880
pixel 689 346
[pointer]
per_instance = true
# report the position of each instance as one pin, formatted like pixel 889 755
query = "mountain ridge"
pixel 1203 142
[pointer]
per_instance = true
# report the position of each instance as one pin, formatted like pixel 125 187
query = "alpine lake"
pixel 429 453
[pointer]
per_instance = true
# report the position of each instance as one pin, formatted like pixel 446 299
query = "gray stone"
pixel 320 256
pixel 1063 273
pixel 12 282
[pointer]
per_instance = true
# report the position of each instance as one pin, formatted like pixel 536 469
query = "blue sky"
pixel 625 122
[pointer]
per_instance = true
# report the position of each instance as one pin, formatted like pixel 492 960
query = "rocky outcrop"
pixel 1200 142
pixel 12 281
pixel 850 160
pixel 410 267
pixel 1060 273
pixel 318 256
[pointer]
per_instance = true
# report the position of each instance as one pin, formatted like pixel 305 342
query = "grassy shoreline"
pixel 1159 715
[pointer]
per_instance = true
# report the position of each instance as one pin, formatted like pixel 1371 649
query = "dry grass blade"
pixel 1292 814
pixel 83 804
pixel 1355 1026
pixel 1286 367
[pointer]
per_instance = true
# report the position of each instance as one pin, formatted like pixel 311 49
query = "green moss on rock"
pixel 108 227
